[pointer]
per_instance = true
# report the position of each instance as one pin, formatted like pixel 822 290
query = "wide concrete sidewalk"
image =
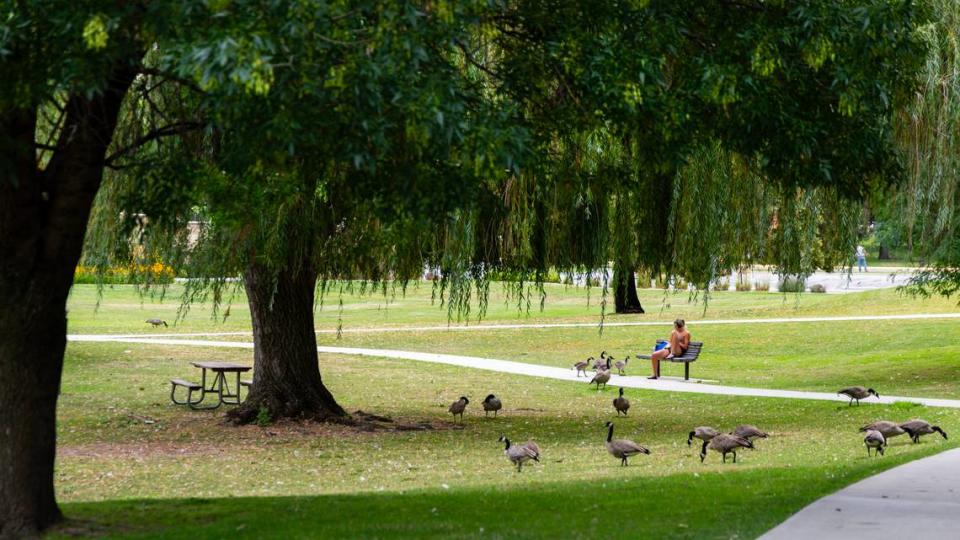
pixel 918 500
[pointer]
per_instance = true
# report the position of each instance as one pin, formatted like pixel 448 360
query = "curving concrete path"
pixel 536 370
pixel 920 499
pixel 521 326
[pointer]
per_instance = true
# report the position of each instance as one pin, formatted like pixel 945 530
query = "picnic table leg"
pixel 686 371
pixel 204 391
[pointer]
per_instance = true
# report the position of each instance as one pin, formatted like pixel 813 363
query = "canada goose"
pixel 622 448
pixel 857 393
pixel 621 365
pixel 491 403
pixel 874 439
pixel 601 363
pixel 157 322
pixel 748 432
pixel 887 428
pixel 520 454
pixel 916 428
pixel 621 404
pixel 601 377
pixel 582 366
pixel 458 406
pixel 725 444
pixel 704 433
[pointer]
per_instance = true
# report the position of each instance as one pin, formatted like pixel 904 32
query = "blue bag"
pixel 661 344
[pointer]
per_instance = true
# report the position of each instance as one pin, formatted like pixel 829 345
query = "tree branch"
pixel 165 131
pixel 472 61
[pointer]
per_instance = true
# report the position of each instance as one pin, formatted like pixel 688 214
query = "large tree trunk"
pixel 625 299
pixel 43 218
pixel 286 380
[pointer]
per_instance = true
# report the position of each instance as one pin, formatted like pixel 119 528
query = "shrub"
pixel 745 285
pixel 818 288
pixel 762 286
pixel 263 416
pixel 792 284
pixel 721 284
pixel 117 275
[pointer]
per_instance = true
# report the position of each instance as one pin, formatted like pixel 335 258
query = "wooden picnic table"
pixel 219 384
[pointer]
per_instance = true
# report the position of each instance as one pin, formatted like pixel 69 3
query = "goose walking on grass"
pixel 520 454
pixel 874 439
pixel 857 393
pixel 622 448
pixel 917 428
pixel 458 406
pixel 491 403
pixel 704 433
pixel 157 322
pixel 583 365
pixel 602 377
pixel 621 404
pixel 887 428
pixel 749 432
pixel 621 365
pixel 725 444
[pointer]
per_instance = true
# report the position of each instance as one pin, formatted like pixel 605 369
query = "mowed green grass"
pixel 131 464
pixel 120 309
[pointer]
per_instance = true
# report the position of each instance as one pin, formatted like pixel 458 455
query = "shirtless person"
pixel 679 343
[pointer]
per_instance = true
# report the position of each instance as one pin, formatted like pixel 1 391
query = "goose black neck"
pixel 506 443
pixel 610 433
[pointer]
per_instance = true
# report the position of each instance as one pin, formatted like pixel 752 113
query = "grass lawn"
pixel 131 464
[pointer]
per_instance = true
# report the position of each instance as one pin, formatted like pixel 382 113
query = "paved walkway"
pixel 536 370
pixel 490 327
pixel 920 499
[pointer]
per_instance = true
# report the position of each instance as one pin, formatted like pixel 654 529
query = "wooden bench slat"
pixel 186 384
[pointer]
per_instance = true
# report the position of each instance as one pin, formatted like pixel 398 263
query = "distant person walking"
pixel 861 259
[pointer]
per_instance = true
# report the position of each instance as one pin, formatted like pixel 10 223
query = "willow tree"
pixel 922 213
pixel 350 155
pixel 621 98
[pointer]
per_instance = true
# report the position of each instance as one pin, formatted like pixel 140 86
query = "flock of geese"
pixel 877 434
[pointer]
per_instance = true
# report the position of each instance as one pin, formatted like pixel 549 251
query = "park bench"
pixel 689 356
pixel 191 388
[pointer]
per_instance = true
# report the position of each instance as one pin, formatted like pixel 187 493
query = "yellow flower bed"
pixel 133 273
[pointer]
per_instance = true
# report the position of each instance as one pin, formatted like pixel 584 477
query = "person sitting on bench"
pixel 678 344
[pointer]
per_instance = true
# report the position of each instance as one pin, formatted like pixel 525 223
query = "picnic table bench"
pixel 690 355
pixel 218 385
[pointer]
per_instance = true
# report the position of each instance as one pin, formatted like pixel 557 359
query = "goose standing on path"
pixel 602 376
pixel 582 366
pixel 748 432
pixel 725 444
pixel 621 365
pixel 857 393
pixel 520 454
pixel 491 403
pixel 887 428
pixel 621 404
pixel 458 406
pixel 916 428
pixel 622 448
pixel 704 433
pixel 603 362
pixel 875 440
